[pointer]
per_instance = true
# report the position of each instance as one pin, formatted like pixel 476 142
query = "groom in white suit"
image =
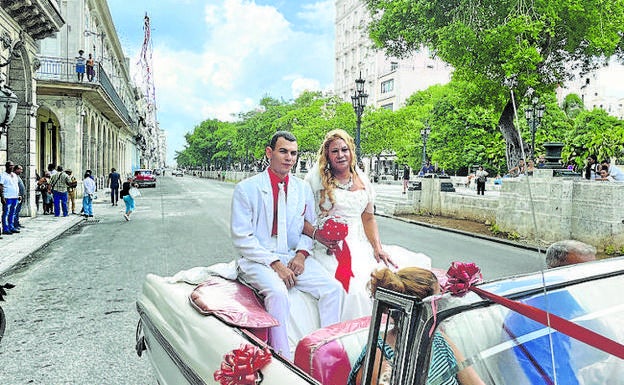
pixel 254 233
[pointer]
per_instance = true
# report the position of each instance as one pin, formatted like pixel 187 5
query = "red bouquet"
pixel 334 228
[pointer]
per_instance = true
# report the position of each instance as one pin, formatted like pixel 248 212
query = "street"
pixel 71 318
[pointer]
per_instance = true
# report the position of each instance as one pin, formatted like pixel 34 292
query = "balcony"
pixel 57 76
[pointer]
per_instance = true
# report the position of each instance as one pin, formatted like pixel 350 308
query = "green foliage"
pixel 495 45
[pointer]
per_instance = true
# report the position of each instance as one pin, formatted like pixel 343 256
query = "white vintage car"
pixel 215 332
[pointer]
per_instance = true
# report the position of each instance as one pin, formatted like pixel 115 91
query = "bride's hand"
pixel 326 242
pixel 382 256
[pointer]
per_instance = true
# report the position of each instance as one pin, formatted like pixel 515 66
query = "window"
pixel 387 86
pixel 393 66
pixel 387 106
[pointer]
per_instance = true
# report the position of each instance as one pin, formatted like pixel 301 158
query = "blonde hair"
pixel 409 280
pixel 327 177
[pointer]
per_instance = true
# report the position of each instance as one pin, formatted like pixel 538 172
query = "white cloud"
pixel 299 85
pixel 248 51
pixel 320 15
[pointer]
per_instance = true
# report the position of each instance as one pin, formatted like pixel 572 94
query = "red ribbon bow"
pixel 242 366
pixel 336 229
pixel 462 277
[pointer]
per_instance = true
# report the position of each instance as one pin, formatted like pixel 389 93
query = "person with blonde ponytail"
pixel 342 190
pixel 443 367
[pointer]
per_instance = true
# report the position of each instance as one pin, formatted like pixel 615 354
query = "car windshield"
pixel 505 347
pixel 144 173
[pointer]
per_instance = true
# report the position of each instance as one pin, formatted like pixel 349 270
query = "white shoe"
pixel 127 217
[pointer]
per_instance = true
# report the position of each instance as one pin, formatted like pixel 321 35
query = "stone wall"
pixel 559 208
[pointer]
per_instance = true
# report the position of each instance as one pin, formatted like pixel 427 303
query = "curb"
pixel 466 233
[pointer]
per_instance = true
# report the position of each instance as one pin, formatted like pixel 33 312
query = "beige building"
pixel 603 88
pixel 23 24
pixel 389 81
pixel 67 116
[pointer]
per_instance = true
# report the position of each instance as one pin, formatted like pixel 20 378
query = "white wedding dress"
pixel 350 205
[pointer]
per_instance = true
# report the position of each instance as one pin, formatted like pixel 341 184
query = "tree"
pixel 508 50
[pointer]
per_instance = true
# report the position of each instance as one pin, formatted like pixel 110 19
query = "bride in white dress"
pixel 341 189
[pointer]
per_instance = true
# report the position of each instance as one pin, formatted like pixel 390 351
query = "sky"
pixel 215 58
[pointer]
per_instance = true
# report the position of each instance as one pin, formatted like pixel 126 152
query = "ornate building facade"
pixel 23 24
pixel 80 119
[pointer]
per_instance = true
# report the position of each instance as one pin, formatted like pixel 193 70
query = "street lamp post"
pixel 359 102
pixel 229 158
pixel 534 116
pixel 424 133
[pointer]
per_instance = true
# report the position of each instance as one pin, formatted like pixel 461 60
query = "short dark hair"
pixel 557 253
pixel 281 134
pixel 593 157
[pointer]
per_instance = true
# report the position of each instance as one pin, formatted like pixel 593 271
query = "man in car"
pixel 535 356
pixel 269 211
pixel 569 252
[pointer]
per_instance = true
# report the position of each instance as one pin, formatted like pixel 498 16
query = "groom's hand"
pixel 297 264
pixel 285 274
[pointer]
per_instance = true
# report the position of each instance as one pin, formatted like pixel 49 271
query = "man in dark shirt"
pixel 406 177
pixel 113 183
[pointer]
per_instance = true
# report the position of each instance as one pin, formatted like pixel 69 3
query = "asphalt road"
pixel 71 318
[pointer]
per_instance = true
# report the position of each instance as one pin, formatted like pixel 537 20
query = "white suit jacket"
pixel 252 218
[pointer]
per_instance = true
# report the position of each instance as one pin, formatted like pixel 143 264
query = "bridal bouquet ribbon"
pixel 242 366
pixel 463 276
pixel 334 228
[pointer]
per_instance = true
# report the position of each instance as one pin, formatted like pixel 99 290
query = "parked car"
pixel 177 173
pixel 144 178
pixel 196 341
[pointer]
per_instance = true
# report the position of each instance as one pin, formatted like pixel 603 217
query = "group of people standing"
pixel 85 65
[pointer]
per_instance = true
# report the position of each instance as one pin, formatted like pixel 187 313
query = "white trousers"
pixel 314 280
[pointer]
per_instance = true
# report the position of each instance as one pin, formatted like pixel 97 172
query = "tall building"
pixel 54 109
pixel 389 81
pixel 603 88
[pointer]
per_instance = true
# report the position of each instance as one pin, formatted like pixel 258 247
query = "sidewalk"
pixel 36 233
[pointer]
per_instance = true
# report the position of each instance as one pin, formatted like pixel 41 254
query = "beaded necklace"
pixel 344 186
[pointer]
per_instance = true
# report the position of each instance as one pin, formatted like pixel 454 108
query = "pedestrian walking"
pixel 406 177
pixel 59 183
pixel 17 170
pixel 71 191
pixel 88 185
pixel 113 183
pixel 127 195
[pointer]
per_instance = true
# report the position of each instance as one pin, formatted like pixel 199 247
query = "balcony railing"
pixel 64 70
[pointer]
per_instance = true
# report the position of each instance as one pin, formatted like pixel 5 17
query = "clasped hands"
pixel 288 273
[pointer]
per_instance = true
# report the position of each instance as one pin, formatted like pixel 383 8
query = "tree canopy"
pixel 508 50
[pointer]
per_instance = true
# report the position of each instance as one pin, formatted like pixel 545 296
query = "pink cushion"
pixel 322 353
pixel 231 302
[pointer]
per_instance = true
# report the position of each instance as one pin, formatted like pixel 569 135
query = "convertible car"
pixel 559 326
